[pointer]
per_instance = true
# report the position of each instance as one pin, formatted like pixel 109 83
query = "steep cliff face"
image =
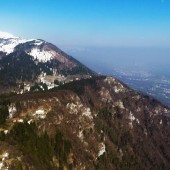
pixel 95 123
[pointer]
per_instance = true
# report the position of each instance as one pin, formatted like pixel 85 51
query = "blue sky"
pixel 89 22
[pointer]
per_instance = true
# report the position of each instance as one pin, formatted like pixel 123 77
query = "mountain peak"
pixel 47 62
pixel 6 35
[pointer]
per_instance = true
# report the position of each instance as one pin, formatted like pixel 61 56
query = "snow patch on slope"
pixel 12 110
pixel 105 95
pixel 41 55
pixel 8 45
pixel 6 35
pixel 120 104
pixel 87 113
pixel 8 42
pixel 40 114
pixel 80 135
pixel 4 159
pixel 102 149
pixel 132 118
pixel 109 80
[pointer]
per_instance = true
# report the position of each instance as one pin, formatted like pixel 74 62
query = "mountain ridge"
pixel 63 116
pixel 102 123
pixel 49 62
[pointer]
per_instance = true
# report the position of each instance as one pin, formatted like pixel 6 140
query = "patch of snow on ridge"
pixel 42 55
pixel 109 80
pixel 117 90
pixel 8 45
pixel 87 113
pixel 40 114
pixel 120 104
pixel 38 42
pixel 8 42
pixel 132 118
pixel 102 149
pixel 6 35
pixel 3 163
pixel 105 95
pixel 73 108
pixel 12 110
pixel 80 135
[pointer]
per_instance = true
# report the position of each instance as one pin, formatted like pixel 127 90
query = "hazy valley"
pixel 144 69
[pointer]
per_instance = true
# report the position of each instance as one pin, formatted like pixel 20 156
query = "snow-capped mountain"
pixel 39 49
pixel 35 60
pixel 8 42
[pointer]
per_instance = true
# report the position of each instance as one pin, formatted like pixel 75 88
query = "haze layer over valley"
pixel 145 69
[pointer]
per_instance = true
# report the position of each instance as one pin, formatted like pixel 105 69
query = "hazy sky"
pixel 89 22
